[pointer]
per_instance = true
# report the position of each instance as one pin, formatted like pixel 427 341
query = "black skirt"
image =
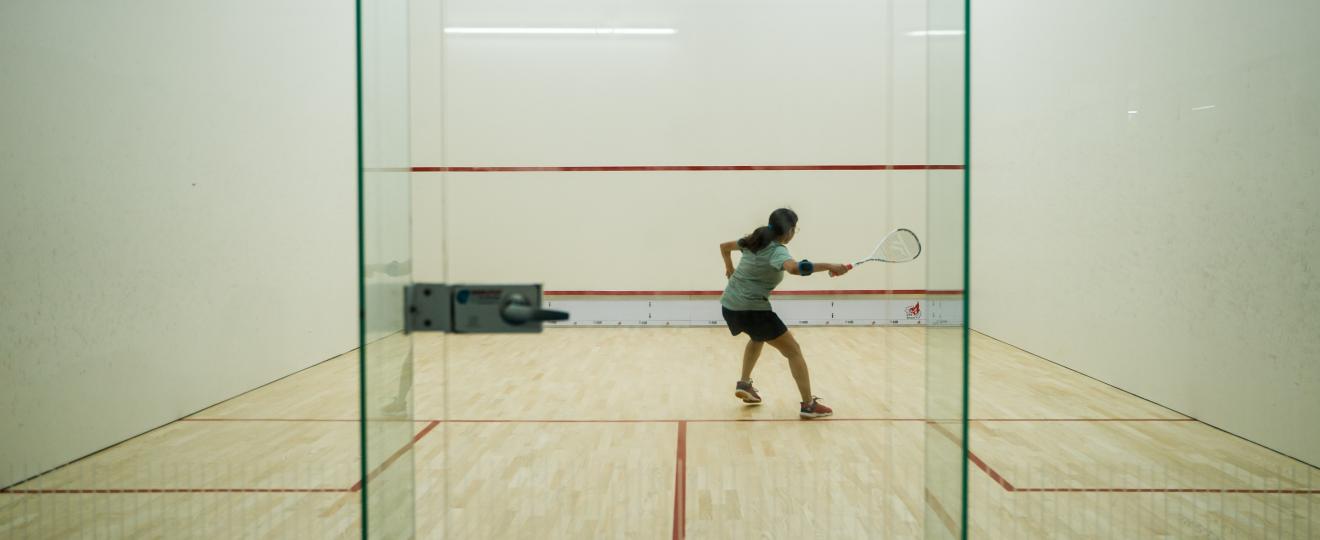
pixel 759 325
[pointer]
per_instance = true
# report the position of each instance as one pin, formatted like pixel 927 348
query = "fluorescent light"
pixel 922 33
pixel 564 31
pixel 640 31
pixel 1203 108
pixel 1133 112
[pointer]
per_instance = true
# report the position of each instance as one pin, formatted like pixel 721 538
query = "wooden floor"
pixel 634 433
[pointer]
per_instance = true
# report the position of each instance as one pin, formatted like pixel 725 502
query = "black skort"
pixel 759 325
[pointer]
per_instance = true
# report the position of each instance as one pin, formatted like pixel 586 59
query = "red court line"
pixel 1082 420
pixel 668 420
pixel 680 484
pixel 940 512
pixel 672 420
pixel 1171 490
pixel 176 490
pixel 1008 486
pixel 554 421
pixel 1003 482
pixel 971 456
pixel 692 168
pixel 396 455
pixel 277 420
pixel 775 293
pixel 813 420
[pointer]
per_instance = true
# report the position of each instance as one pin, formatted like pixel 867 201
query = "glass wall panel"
pixel 605 150
pixel 946 264
pixel 385 364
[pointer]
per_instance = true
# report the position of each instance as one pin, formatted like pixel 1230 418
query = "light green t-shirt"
pixel 757 274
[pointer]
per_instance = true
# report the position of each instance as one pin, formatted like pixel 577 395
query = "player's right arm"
pixel 835 270
pixel 726 249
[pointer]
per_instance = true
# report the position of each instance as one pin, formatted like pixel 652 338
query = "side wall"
pixel 177 221
pixel 1145 186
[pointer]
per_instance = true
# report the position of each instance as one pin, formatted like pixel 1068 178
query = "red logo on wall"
pixel 914 311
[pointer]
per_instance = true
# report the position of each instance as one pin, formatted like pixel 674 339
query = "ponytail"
pixel 781 221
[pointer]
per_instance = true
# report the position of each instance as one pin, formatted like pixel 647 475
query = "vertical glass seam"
pixel 410 361
pixel 967 251
pixel 362 272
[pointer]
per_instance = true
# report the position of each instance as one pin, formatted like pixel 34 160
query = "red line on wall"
pixel 842 292
pixel 396 455
pixel 693 168
pixel 680 484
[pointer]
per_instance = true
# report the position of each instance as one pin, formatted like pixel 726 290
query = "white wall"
pixel 1173 251
pixel 739 83
pixel 177 214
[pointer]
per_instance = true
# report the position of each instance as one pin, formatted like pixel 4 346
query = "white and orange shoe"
pixel 746 392
pixel 814 409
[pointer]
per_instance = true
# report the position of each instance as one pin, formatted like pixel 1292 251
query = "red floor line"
pixel 814 420
pixel 1008 486
pixel 980 464
pixel 174 490
pixel 1172 490
pixel 944 431
pixel 680 484
pixel 669 420
pixel 396 455
pixel 1082 420
pixel 1003 482
pixel 672 420
pixel 940 512
pixel 270 420
pixel 555 421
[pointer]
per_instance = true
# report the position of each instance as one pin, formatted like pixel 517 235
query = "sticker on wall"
pixel 912 311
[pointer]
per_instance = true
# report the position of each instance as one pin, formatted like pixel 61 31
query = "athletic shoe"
pixel 815 409
pixel 746 392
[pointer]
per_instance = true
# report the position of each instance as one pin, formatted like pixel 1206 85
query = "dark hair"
pixel 781 221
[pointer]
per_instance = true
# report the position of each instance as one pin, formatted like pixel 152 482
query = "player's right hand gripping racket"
pixel 901 245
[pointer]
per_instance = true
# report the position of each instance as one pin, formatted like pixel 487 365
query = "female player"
pixel 746 303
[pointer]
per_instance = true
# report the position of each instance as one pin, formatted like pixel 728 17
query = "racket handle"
pixel 517 310
pixel 848 266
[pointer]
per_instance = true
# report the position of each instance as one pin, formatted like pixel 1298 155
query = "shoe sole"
pixel 746 397
pixel 810 415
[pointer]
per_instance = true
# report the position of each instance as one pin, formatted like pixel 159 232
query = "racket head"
pixel 900 245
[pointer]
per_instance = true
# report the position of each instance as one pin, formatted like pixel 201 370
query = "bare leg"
pixel 750 355
pixel 796 363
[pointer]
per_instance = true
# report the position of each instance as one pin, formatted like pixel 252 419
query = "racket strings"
pixel 898 246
